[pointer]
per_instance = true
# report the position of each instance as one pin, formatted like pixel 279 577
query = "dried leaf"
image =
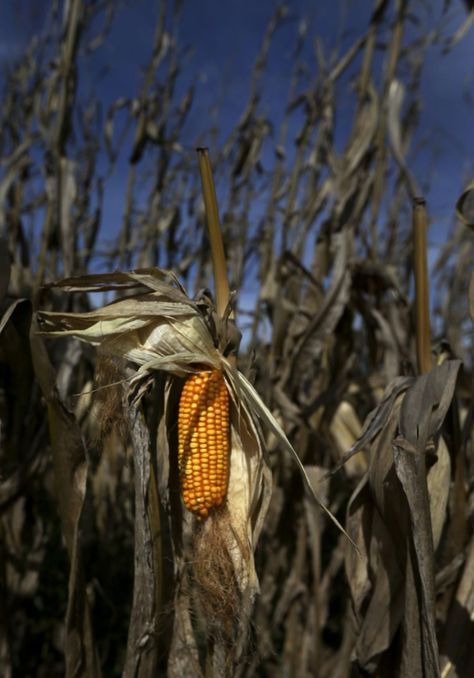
pixel 255 404
pixel 395 523
pixel 363 133
pixel 70 470
pixel 376 581
pixel 423 411
pixel 465 203
pixel 463 28
pixel 150 330
pixel 378 418
pixel 67 197
pixel 346 428
pixel 394 122
pixel 323 323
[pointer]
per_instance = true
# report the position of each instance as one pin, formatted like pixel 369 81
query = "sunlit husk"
pixel 164 330
pixel 248 496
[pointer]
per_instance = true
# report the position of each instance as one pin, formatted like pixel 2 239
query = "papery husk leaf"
pixel 248 496
pixel 152 278
pixel 255 404
pixel 164 342
pixel 178 363
pixel 147 330
pixel 136 307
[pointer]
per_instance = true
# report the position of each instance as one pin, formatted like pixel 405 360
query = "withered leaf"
pixel 70 471
pixel 377 419
pixel 390 517
pixel 465 203
pixel 423 411
pixel 426 403
pixel 394 122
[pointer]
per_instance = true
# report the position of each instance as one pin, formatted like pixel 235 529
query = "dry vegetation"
pixel 101 569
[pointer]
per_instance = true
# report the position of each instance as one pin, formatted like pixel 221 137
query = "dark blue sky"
pixel 225 36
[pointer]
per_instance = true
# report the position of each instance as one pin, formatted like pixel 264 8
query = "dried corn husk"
pixel 159 328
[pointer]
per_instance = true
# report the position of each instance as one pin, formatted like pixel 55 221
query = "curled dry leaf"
pixel 396 526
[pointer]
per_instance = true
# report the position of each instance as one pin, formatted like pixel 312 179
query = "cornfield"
pixel 237 425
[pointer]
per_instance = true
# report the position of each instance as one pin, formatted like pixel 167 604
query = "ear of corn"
pixel 203 450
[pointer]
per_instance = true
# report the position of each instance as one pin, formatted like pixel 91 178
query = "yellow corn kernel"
pixel 204 441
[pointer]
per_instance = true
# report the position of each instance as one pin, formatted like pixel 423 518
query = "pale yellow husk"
pixel 160 328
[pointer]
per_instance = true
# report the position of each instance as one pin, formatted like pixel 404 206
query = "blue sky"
pixel 225 35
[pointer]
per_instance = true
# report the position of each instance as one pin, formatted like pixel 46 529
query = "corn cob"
pixel 203 441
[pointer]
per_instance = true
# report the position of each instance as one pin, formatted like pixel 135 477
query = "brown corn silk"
pixel 204 441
